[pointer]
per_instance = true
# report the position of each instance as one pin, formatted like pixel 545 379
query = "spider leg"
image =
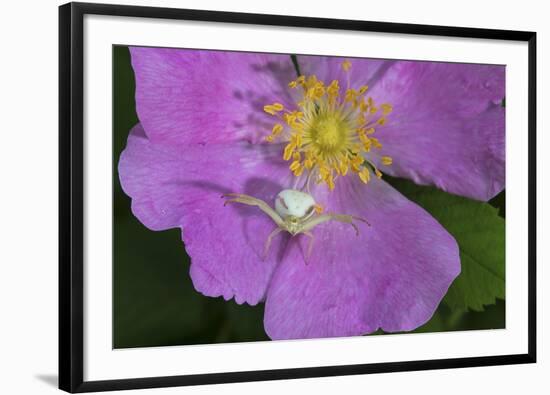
pixel 275 232
pixel 348 219
pixel 310 244
pixel 252 201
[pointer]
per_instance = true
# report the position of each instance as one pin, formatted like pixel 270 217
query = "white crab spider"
pixel 294 212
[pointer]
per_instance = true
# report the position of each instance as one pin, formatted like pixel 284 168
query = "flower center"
pixel 329 134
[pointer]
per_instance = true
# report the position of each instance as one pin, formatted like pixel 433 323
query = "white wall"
pixel 28 194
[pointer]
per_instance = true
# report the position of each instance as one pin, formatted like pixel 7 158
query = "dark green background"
pixel 155 303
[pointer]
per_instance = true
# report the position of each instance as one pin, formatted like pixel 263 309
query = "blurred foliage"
pixel 155 303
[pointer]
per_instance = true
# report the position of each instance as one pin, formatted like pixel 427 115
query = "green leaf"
pixel 479 231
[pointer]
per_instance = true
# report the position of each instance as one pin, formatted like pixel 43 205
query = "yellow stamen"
pixel 356 163
pixel 273 108
pixel 346 65
pixel 296 139
pixel 351 95
pixel 333 90
pixel 344 167
pixel 386 108
pixel 330 182
pixel 298 172
pixel 375 142
pixel 294 165
pixel 386 160
pixel 329 133
pixel 367 144
pixel 363 106
pixel 277 129
pixel 289 149
pixel 364 175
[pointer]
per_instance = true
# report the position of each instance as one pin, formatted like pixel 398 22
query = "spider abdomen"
pixel 291 202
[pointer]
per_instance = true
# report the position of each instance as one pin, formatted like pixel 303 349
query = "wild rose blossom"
pixel 213 123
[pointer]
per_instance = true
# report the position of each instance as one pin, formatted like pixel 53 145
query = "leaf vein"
pixel 488 269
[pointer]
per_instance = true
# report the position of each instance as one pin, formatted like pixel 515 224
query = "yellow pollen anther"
pixel 386 108
pixel 289 149
pixel 330 182
pixel 344 167
pixel 363 89
pixel 277 129
pixel 289 119
pixel 310 81
pixel 295 165
pixel 364 175
pixel 333 90
pixel 386 160
pixel 318 208
pixel 375 142
pixel 351 95
pixel 298 172
pixel 346 65
pixel 296 140
pixel 273 108
pixel 356 163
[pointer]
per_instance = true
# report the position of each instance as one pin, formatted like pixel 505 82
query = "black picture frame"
pixel 71 225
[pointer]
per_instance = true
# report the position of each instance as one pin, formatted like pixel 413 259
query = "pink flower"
pixel 202 133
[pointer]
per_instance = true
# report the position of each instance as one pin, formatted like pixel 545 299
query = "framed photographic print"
pixel 257 197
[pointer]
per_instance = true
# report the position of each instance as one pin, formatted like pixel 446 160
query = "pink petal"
pixel 392 276
pixel 200 96
pixel 175 186
pixel 447 127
